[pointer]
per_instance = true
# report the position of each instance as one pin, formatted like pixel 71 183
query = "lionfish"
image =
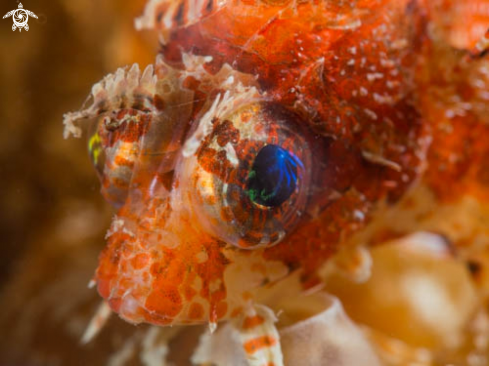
pixel 270 135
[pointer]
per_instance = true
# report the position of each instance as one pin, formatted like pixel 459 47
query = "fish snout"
pixel 162 277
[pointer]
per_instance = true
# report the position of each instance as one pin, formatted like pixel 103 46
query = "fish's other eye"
pixel 248 180
pixel 114 144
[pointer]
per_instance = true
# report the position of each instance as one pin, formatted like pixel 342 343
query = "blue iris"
pixel 273 176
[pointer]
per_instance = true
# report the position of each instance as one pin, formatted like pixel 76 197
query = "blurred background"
pixel 52 217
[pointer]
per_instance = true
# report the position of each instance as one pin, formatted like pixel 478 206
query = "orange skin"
pixel 365 88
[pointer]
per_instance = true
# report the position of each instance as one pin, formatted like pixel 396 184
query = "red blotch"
pixel 189 293
pixel 196 311
pixel 140 261
pixel 253 321
pixel 258 343
pixel 221 309
pixel 165 300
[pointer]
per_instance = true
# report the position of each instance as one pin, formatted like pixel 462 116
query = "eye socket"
pixel 248 180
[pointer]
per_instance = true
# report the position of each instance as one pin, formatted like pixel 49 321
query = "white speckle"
pixel 359 215
pixel 392 84
pixel 378 159
pixel 399 44
pixel 352 50
pixel 126 231
pixel 212 327
pixel 229 80
pixel 449 113
pixel 153 185
pixel 202 257
pixel 351 62
pixel 371 114
pixel 231 154
pixel 383 99
pixel 374 76
pixel 117 225
pixel 129 308
pixel 215 285
pixel 363 91
pixel 387 63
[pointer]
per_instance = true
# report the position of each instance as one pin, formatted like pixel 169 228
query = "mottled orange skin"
pixel 369 77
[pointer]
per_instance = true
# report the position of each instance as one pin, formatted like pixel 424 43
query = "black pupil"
pixel 273 176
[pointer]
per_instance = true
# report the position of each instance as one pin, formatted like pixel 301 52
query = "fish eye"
pixel 114 146
pixel 273 176
pixel 248 181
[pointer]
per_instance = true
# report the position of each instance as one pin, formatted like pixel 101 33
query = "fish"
pixel 271 135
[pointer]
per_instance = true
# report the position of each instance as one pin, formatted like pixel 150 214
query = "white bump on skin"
pixel 202 257
pixel 215 285
pixel 374 76
pixel 204 128
pixel 223 105
pixel 231 154
pixel 370 113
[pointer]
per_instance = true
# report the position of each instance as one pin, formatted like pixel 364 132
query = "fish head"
pixel 233 167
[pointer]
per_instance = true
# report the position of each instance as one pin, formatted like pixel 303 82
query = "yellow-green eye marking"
pixel 95 147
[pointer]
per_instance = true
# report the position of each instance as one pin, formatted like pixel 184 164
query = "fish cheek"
pixel 188 286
